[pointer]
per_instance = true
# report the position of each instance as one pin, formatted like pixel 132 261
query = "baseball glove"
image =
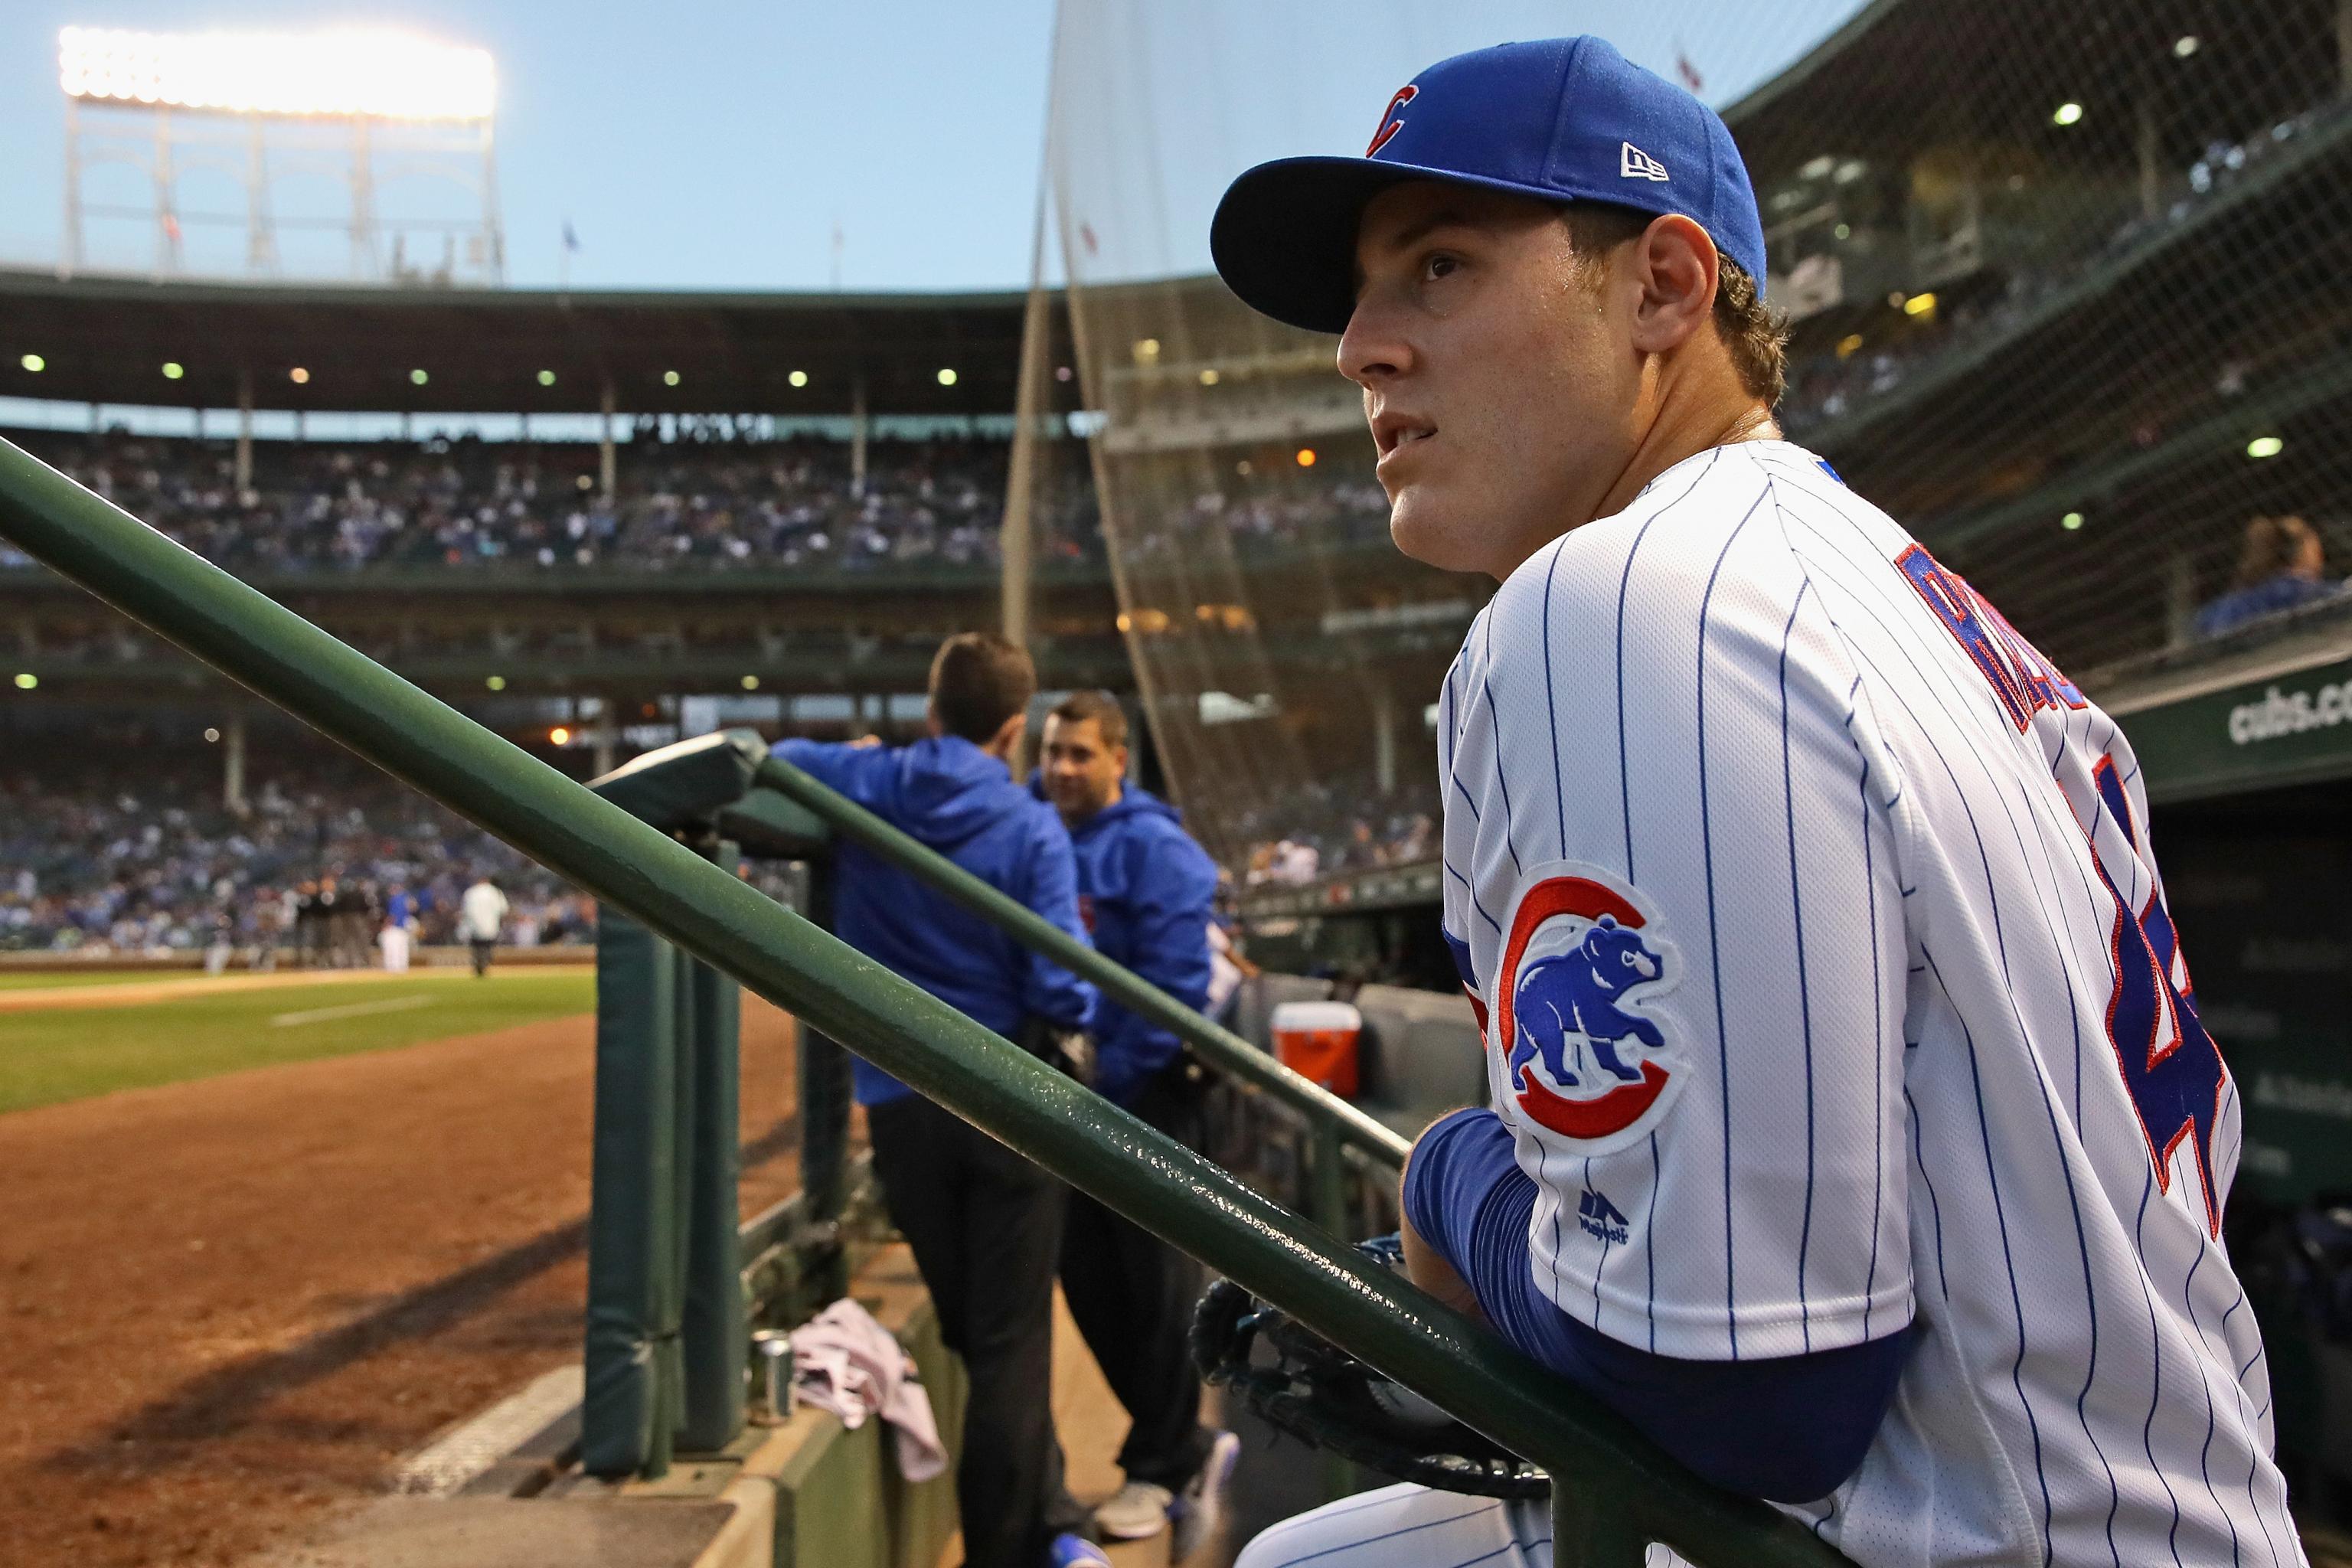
pixel 1316 1392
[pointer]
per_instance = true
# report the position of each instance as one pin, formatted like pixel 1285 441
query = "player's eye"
pixel 1440 265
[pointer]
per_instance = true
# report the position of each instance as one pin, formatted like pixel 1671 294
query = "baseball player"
pixel 1853 1132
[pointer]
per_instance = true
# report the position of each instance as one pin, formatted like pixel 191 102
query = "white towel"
pixel 844 1362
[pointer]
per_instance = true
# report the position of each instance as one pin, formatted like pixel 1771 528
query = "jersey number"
pixel 2170 1065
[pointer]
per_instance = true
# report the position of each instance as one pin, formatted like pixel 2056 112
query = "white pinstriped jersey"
pixel 1828 984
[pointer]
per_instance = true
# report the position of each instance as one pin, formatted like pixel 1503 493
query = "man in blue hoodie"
pixel 1146 890
pixel 985 1225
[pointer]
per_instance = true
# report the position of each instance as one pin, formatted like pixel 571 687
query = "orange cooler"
pixel 1317 1040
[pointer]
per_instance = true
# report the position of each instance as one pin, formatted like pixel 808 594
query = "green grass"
pixel 70 1053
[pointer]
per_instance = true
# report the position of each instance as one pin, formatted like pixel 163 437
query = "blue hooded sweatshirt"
pixel 1146 890
pixel 951 796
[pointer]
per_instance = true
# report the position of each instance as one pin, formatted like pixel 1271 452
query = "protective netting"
pixel 2061 273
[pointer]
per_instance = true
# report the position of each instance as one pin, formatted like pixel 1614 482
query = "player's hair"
pixel 978 681
pixel 1757 335
pixel 1099 706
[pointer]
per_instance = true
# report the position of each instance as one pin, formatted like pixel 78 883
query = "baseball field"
pixel 87 1037
pixel 261 1237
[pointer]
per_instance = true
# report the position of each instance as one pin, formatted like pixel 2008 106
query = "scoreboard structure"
pixel 178 143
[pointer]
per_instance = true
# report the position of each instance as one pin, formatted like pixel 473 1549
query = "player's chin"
pixel 1431 532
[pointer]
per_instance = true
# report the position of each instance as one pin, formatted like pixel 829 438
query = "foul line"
pixel 351 1010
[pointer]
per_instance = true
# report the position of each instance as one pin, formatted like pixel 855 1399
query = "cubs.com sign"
pixel 1588 1064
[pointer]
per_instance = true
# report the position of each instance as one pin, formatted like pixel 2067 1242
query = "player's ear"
pixel 1675 264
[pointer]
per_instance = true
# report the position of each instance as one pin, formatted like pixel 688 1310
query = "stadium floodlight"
pixel 298 376
pixel 547 378
pixel 669 378
pixel 1919 305
pixel 34 363
pixel 2184 46
pixel 343 74
pixel 2066 114
pixel 173 370
pixel 2071 521
pixel 496 683
pixel 212 736
pixel 2264 447
pixel 947 376
pixel 27 680
pixel 559 736
pixel 798 378
pixel 418 377
pixel 751 683
pixel 1306 456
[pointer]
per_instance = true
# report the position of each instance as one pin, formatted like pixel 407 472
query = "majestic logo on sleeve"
pixel 1584 1058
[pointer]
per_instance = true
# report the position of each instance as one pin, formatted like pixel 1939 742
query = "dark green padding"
pixel 680 785
pixel 633 1307
pixel 713 1331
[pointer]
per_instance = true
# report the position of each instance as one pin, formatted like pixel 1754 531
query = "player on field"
pixel 1854 1132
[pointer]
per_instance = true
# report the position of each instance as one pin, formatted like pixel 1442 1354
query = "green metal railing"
pixel 1612 1489
pixel 1334 1126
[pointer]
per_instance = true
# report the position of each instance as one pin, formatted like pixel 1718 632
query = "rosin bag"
pixel 1317 1040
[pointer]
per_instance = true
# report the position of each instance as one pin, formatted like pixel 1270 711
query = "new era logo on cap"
pixel 1632 163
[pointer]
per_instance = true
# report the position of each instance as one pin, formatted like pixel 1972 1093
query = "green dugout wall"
pixel 2249 773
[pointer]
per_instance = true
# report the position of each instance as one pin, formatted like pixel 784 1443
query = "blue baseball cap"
pixel 1560 120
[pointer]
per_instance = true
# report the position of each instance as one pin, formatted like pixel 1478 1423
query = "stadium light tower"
pixel 366 108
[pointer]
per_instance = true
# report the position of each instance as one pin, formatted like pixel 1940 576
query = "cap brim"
pixel 1284 239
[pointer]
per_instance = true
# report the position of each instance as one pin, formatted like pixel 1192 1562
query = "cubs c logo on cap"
pixel 1389 123
pixel 1589 1065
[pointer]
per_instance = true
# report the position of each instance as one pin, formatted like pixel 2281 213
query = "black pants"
pixel 1132 1295
pixel 482 951
pixel 986 1228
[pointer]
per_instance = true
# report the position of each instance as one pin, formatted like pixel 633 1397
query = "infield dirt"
pixel 226 1304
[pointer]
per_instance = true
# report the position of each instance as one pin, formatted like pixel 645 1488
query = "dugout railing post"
pixel 1617 1491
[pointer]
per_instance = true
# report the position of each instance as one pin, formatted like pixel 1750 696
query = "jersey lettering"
pixel 2170 1065
pixel 2024 680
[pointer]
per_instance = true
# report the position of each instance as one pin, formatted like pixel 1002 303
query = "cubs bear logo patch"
pixel 1589 1064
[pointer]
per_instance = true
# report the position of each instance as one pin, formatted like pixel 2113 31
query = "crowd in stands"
pixel 1828 385
pixel 793 503
pixel 1339 824
pixel 2282 566
pixel 147 858
pixel 1322 513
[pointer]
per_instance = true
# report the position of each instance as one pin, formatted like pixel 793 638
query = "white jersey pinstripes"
pixel 1827 983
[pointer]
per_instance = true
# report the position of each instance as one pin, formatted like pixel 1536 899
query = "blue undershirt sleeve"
pixel 1790 1429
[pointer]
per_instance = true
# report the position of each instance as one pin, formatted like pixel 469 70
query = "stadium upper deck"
pixel 2061 271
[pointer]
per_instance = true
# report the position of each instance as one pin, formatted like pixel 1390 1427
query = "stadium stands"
pixel 470 504
pixel 100 858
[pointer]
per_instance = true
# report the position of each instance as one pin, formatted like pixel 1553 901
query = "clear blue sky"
pixel 716 143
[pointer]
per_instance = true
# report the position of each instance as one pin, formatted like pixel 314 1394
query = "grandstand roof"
pixel 105 340
pixel 1902 74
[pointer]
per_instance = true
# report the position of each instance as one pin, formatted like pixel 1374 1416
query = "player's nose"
pixel 1372 349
